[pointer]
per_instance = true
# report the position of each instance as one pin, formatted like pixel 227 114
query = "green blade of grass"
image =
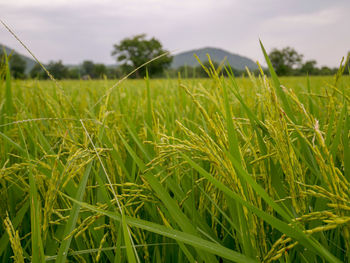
pixel 137 159
pixel 252 117
pixel 35 216
pixel 330 128
pixel 8 90
pixel 73 217
pixel 118 254
pixel 346 144
pixel 231 133
pixel 336 140
pixel 9 141
pixel 129 249
pixel 173 208
pixel 149 114
pixel 234 150
pixel 277 85
pixel 293 232
pixel 178 216
pixel 258 189
pixel 311 106
pixel 184 237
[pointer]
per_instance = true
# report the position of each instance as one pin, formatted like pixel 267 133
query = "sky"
pixel 78 30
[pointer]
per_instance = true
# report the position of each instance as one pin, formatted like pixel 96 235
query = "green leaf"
pixel 8 91
pixel 186 238
pixel 277 85
pixel 73 217
pixel 127 237
pixel 293 232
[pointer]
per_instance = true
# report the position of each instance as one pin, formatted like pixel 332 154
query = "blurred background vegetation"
pixel 131 53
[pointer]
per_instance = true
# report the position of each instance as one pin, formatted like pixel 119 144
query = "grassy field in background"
pixel 195 170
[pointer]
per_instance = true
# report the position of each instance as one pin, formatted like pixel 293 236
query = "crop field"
pixel 253 169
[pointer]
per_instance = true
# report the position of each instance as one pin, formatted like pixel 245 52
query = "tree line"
pixel 87 70
pixel 134 54
pixel 288 62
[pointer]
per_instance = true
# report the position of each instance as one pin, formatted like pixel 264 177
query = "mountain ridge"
pixel 216 54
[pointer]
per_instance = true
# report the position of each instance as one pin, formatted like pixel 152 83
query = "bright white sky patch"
pixel 75 30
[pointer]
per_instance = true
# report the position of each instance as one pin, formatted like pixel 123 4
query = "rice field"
pixel 253 169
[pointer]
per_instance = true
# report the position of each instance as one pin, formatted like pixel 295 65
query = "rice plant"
pixel 254 169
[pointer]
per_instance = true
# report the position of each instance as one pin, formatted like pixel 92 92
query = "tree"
pixel 74 73
pixel 37 72
pixel 57 70
pixel 186 71
pixel 114 72
pixel 100 70
pixel 88 68
pixel 309 67
pixel 325 71
pixel 134 52
pixel 17 65
pixel 93 70
pixel 285 61
pixel 2 65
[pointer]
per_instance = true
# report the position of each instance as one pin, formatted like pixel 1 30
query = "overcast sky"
pixel 76 30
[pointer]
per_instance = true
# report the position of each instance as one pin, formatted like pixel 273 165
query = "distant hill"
pixel 29 62
pixel 216 54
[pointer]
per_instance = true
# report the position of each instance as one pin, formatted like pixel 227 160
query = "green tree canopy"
pixel 88 68
pixel 17 64
pixel 74 73
pixel 325 71
pixel 58 70
pixel 37 72
pixel 285 60
pixel 309 67
pixel 93 70
pixel 134 52
pixel 100 70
